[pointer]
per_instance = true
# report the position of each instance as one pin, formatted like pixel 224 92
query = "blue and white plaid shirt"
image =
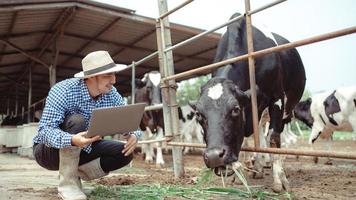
pixel 68 97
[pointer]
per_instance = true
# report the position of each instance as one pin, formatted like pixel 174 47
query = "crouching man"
pixel 61 143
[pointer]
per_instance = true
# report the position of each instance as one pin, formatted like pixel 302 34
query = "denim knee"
pixel 74 124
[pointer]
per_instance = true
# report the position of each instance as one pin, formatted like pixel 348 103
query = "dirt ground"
pixel 22 178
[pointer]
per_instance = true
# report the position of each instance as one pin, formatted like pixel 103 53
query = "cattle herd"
pixel 221 117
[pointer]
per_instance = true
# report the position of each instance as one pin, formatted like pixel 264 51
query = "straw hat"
pixel 98 62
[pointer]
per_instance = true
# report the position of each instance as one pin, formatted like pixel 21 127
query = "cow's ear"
pixel 193 105
pixel 139 83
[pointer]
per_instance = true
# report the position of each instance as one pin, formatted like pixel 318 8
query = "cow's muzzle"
pixel 215 157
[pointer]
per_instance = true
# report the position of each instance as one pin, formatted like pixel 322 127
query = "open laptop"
pixel 115 120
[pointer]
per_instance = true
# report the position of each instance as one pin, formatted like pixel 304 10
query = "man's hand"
pixel 130 145
pixel 80 140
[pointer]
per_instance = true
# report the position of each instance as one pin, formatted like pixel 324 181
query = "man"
pixel 61 143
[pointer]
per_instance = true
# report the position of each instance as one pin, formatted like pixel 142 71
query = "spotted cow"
pixel 148 90
pixel 327 112
pixel 224 110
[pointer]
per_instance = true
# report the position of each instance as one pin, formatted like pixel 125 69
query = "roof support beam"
pixel 12 64
pixel 61 22
pixel 11 79
pixel 33 58
pixel 11 27
pixel 125 45
pixel 106 28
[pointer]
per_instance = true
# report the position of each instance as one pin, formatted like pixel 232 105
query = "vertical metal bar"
pixel 29 94
pixel 170 88
pixel 164 86
pixel 16 101
pixel 23 112
pixel 251 67
pixel 8 106
pixel 133 85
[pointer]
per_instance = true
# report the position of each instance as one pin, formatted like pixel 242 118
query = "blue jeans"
pixel 109 151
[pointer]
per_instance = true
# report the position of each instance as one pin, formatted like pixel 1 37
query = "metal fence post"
pixel 169 88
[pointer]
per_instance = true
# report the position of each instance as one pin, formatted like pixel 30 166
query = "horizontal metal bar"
pixel 154 107
pixel 329 154
pixel 265 7
pixel 146 141
pixel 147 58
pixel 209 68
pixel 217 28
pixel 175 9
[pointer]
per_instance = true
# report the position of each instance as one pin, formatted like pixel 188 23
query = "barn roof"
pixel 30 28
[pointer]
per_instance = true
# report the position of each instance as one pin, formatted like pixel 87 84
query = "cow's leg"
pixel 247 156
pixel 187 133
pixel 261 158
pixel 280 181
pixel 328 148
pixel 147 149
pixel 159 155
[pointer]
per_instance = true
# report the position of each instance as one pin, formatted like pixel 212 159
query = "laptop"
pixel 115 120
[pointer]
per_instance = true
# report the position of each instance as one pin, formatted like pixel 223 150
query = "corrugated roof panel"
pixel 126 31
pixel 196 46
pixel 130 55
pixel 13 58
pixel 208 54
pixel 149 41
pixel 71 44
pixel 74 62
pixel 95 46
pixel 88 23
pixel 26 42
pixel 5 21
pixel 35 20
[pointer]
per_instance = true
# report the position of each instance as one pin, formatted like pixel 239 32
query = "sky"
pixel 329 64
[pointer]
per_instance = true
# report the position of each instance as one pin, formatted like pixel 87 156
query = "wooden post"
pixel 170 106
pixel 251 67
pixel 29 94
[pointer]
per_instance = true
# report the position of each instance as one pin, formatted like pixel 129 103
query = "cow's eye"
pixel 235 111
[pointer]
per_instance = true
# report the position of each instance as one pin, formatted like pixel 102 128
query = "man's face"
pixel 105 82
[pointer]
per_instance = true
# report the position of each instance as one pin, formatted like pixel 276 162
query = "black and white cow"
pixel 327 112
pixel 148 90
pixel 224 108
pixel 189 127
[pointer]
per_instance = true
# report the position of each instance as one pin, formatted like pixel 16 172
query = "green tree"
pixel 189 90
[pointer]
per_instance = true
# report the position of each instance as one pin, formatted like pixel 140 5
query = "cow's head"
pixel 220 111
pixel 303 113
pixel 148 88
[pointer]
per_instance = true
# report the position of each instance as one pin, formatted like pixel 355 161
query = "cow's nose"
pixel 214 157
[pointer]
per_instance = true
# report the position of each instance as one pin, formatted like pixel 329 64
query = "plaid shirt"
pixel 68 97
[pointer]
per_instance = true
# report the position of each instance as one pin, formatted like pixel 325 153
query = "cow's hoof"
pixel 277 187
pixel 268 165
pixel 159 165
pixel 257 175
pixel 149 161
pixel 316 160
